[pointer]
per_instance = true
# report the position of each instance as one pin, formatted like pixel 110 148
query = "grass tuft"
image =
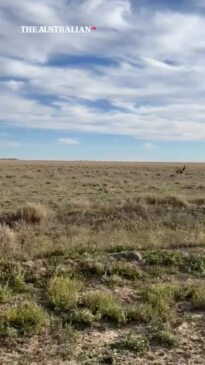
pixel 198 297
pixel 106 305
pixel 135 343
pixel 8 243
pixel 164 258
pixel 63 292
pixel 26 318
pixel 31 213
pixel 5 294
pixel 84 316
pixel 165 338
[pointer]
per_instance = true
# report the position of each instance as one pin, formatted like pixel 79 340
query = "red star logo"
pixel 93 28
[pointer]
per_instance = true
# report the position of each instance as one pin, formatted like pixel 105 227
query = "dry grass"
pixel 8 243
pixel 31 213
pixel 112 251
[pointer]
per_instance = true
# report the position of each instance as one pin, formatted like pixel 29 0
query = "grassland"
pixel 102 263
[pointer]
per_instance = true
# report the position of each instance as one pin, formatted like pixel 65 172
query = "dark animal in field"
pixel 180 171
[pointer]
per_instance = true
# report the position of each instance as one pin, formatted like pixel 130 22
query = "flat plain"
pixel 102 263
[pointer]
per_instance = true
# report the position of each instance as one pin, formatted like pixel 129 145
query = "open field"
pixel 102 263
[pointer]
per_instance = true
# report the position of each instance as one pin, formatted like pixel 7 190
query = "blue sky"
pixel 131 90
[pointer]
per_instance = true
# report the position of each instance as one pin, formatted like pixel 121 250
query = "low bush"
pixel 26 318
pixel 63 292
pixel 104 304
pixel 135 343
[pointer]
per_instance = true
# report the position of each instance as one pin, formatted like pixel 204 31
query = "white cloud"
pixel 155 92
pixel 68 141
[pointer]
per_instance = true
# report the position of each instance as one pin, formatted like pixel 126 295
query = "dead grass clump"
pixel 31 213
pixel 172 201
pixel 8 244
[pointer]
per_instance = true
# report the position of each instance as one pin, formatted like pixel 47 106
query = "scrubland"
pixel 102 263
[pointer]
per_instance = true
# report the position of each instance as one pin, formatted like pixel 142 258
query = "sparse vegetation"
pixel 166 338
pixel 135 343
pixel 101 263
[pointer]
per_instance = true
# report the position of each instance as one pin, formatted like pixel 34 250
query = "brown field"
pixel 102 263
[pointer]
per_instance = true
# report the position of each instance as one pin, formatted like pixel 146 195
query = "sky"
pixel 131 90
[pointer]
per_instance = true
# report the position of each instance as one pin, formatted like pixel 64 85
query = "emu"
pixel 180 171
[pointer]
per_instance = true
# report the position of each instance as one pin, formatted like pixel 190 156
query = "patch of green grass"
pixel 159 291
pixel 26 318
pixel 84 316
pixel 106 305
pixel 194 264
pixel 135 343
pixel 198 297
pixel 5 294
pixel 126 270
pixel 160 298
pixel 18 283
pixel 12 274
pixel 139 312
pixel 63 292
pixel 164 258
pixel 165 338
pixel 157 302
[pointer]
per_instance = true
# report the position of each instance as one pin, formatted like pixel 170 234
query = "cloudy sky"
pixel 134 89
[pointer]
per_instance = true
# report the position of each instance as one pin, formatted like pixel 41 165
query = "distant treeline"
pixel 9 159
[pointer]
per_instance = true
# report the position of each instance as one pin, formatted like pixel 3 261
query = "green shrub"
pixel 105 304
pixel 194 264
pixel 5 294
pixel 140 312
pixel 156 292
pixel 63 292
pixel 24 319
pixel 160 298
pixel 83 316
pixel 165 338
pixel 125 269
pixel 198 297
pixel 12 274
pixel 164 258
pixel 135 343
